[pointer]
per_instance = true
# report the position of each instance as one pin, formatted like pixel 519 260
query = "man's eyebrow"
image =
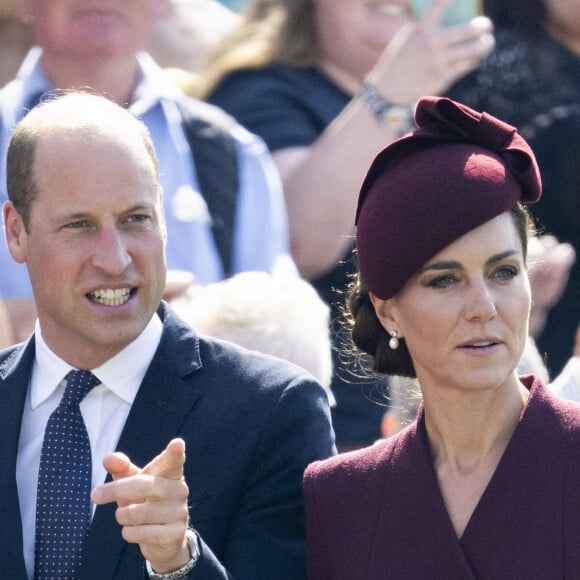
pixel 140 206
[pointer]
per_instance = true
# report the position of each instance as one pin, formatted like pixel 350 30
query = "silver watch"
pixel 398 118
pixel 193 544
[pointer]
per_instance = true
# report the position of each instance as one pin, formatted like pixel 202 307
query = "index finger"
pixel 169 463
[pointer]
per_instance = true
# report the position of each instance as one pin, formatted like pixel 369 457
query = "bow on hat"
pixel 459 169
pixel 442 120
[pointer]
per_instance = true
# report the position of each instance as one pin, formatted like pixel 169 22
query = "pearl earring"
pixel 393 341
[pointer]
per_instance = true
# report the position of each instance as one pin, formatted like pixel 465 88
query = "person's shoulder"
pixel 365 463
pixel 267 78
pixel 566 413
pixel 8 353
pixel 209 115
pixel 259 386
pixel 210 121
pixel 567 384
pixel 248 366
pixel 12 355
pixel 231 366
pixel 271 72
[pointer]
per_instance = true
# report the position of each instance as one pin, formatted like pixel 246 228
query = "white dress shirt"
pixel 104 410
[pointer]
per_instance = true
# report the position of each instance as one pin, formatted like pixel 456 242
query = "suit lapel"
pixel 14 379
pixel 164 400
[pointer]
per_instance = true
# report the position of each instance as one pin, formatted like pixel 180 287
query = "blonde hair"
pixel 280 315
pixel 271 32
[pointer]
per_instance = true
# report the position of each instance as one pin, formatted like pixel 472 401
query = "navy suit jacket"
pixel 251 424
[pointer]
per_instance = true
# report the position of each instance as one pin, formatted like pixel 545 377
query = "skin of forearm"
pixel 321 187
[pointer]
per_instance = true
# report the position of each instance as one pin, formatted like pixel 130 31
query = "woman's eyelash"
pixel 441 281
pixel 502 273
pixel 506 272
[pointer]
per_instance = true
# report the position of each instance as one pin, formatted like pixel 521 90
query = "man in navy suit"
pixel 85 215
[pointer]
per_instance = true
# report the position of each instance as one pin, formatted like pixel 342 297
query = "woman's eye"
pixel 441 282
pixel 506 273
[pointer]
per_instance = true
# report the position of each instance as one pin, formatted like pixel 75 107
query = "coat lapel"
pixel 163 402
pixel 516 528
pixel 414 536
pixel 14 379
pixel 524 499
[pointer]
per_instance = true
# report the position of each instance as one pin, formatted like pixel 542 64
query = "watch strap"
pixel 398 118
pixel 193 544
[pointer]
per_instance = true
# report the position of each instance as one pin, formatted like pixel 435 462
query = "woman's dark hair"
pixel 368 335
pixel 527 16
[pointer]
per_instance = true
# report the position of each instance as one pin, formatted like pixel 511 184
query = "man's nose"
pixel 111 253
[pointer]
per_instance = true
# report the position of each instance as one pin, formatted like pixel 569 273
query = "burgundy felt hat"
pixel 458 170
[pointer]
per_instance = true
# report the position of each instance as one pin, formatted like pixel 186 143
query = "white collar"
pixel 154 85
pixel 122 374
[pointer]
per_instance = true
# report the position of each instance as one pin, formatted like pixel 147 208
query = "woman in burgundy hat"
pixel 485 484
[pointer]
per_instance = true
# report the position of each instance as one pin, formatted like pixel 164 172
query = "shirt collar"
pixel 153 87
pixel 31 79
pixel 121 374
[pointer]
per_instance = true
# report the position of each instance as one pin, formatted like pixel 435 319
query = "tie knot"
pixel 78 384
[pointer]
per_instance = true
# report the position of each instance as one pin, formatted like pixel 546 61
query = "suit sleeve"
pixel 266 537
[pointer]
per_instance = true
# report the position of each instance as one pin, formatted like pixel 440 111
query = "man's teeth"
pixel 110 297
pixel 481 344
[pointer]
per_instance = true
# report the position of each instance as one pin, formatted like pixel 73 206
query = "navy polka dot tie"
pixel 63 508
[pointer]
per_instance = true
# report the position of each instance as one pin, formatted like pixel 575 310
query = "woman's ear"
pixel 385 310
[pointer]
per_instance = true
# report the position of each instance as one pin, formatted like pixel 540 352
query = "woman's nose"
pixel 480 303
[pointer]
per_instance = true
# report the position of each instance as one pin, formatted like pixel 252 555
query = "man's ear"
pixel 16 235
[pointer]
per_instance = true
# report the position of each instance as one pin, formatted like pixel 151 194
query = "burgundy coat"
pixel 378 513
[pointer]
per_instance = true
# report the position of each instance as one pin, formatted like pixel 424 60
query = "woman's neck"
pixel 466 431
